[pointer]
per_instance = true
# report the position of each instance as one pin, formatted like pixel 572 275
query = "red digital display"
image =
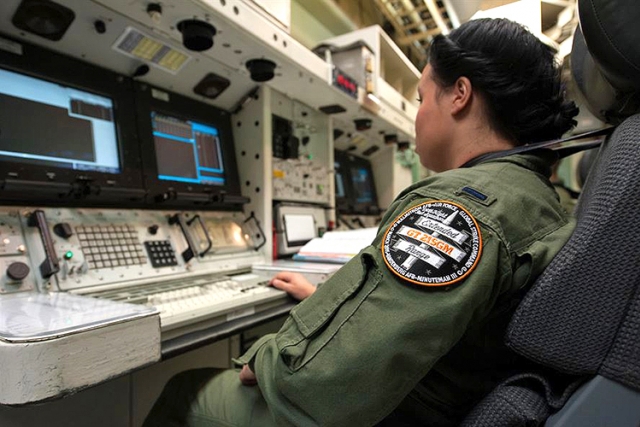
pixel 345 83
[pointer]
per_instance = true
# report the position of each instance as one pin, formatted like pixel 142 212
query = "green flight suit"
pixel 370 347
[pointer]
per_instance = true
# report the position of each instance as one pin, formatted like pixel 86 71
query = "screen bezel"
pixel 56 68
pixel 178 106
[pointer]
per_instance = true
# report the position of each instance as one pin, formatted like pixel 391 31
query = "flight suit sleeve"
pixel 352 351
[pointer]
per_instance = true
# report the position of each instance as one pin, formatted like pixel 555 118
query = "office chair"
pixel 580 321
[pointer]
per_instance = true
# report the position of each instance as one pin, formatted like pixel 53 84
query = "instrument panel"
pixel 84 250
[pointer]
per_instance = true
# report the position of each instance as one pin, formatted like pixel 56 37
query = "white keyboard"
pixel 189 301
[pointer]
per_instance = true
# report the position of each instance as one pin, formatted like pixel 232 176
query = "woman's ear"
pixel 461 92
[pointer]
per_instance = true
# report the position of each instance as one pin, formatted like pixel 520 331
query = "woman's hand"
pixel 247 377
pixel 295 284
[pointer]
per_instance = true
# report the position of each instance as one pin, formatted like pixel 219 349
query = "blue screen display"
pixel 362 185
pixel 187 151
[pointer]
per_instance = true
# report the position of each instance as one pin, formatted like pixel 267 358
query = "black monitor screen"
pixel 354 184
pixel 362 184
pixel 187 151
pixel 67 132
pixel 54 125
pixel 363 196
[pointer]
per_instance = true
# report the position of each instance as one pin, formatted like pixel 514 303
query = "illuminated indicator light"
pixel 6 241
pixel 173 60
pixel 68 255
pixel 146 49
pixel 138 45
pixel 236 233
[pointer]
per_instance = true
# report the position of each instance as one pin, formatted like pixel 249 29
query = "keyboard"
pixel 188 301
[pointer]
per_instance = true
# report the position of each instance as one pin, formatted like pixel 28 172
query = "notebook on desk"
pixel 336 246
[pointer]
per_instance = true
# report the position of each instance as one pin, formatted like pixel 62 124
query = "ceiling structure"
pixel 413 23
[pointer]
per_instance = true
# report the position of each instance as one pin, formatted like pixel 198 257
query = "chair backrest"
pixel 581 319
pixel 572 316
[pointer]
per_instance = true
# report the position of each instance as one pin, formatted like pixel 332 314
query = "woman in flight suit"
pixel 410 331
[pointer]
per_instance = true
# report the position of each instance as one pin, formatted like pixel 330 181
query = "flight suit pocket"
pixel 315 322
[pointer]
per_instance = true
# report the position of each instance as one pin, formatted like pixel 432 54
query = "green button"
pixel 68 255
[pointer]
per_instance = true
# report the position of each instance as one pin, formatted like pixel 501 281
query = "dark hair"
pixel 515 74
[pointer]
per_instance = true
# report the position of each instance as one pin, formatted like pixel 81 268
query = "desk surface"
pixel 31 317
pixel 190 341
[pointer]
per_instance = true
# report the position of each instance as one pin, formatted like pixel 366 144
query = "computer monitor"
pixel 188 150
pixel 355 186
pixel 365 200
pixel 65 123
pixel 53 124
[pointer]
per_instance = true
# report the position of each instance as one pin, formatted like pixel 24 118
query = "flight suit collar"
pixel 539 161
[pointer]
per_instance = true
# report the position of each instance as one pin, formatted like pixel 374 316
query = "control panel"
pixel 300 180
pixel 17 274
pixel 87 250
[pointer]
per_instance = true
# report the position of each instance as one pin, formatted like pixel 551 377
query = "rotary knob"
pixel 153 229
pixel 18 271
pixel 63 229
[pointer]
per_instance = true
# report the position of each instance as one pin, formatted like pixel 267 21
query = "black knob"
pixel 100 26
pixel 153 229
pixel 196 35
pixel 63 229
pixel 18 270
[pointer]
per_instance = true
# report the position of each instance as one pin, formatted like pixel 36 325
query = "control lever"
pixel 191 250
pixel 255 229
pixel 50 265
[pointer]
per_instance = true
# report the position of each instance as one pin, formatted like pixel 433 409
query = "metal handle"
pixel 191 250
pixel 257 225
pixel 50 265
pixel 206 234
pixel 188 253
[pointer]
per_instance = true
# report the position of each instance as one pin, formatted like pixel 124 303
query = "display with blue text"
pixel 188 153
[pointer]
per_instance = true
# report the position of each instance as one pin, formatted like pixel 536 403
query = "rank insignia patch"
pixel 436 243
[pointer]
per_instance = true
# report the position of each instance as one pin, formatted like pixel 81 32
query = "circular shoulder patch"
pixel 436 243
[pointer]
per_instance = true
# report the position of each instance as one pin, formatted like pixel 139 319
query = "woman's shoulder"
pixel 517 203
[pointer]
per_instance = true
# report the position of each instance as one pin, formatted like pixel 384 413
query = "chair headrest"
pixel 605 59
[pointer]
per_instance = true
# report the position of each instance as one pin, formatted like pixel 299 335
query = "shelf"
pixel 395 79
